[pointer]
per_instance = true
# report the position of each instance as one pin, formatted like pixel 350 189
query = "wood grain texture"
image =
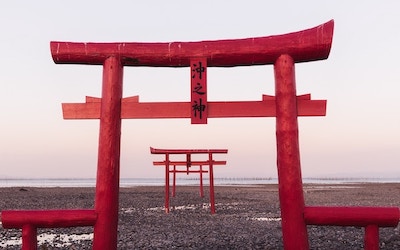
pixel 306 45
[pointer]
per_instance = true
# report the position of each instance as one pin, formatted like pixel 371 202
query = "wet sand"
pixel 247 217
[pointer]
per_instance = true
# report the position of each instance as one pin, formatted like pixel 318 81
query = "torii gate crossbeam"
pixel 133 109
pixel 303 46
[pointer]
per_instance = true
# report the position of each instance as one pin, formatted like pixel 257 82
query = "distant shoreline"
pixel 131 182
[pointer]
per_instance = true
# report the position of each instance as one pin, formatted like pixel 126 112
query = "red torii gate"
pixel 282 51
pixel 188 163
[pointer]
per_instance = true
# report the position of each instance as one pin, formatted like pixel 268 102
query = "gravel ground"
pixel 246 218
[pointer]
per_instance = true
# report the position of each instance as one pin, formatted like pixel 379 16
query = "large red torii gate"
pixel 283 51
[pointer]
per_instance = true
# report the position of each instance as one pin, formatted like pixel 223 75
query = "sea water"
pixel 132 182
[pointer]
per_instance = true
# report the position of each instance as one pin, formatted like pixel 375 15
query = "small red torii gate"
pixel 283 51
pixel 188 163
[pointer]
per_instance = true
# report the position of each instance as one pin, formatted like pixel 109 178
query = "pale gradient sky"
pixel 360 136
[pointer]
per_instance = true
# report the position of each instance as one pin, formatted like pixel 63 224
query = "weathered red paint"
pixel 108 169
pixel 188 163
pixel 48 218
pixel 174 181
pixel 30 220
pixel 29 237
pixel 371 218
pixel 188 151
pixel 282 51
pixel 294 229
pixel 371 239
pixel 306 45
pixel 187 171
pixel 211 173
pixel 303 46
pixel 198 90
pixel 352 216
pixel 133 109
pixel 166 194
pixel 201 181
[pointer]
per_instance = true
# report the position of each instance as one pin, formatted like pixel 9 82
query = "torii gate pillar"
pixel 294 228
pixel 107 181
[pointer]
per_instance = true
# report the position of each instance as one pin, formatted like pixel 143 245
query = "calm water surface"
pixel 130 182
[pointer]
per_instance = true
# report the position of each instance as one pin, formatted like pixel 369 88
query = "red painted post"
pixel 371 240
pixel 201 182
pixel 188 162
pixel 29 237
pixel 107 181
pixel 174 182
pixel 211 173
pixel 291 198
pixel 166 183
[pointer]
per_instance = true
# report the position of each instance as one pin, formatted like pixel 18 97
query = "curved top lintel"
pixel 306 45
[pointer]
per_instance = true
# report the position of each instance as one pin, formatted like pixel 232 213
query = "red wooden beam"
pixel 48 218
pixel 133 109
pixel 188 171
pixel 306 45
pixel 186 151
pixel 371 218
pixel 184 163
pixel 30 220
pixel 352 216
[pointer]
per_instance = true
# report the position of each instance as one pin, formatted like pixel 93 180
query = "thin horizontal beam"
pixel 154 110
pixel 191 163
pixel 188 171
pixel 188 151
pixel 48 218
pixel 352 216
